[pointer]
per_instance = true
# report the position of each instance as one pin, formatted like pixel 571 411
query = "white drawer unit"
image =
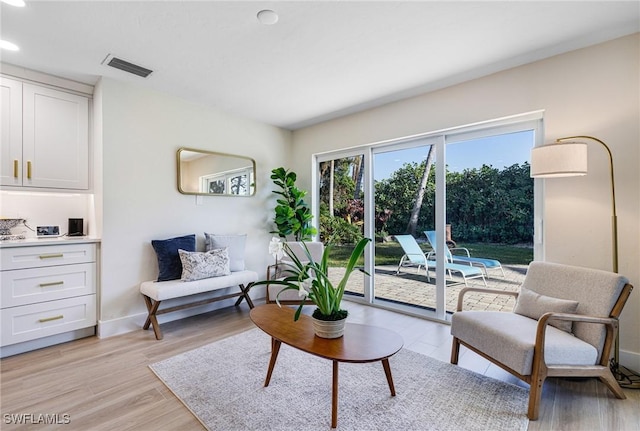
pixel 27 286
pixel 46 291
pixel 46 255
pixel 39 320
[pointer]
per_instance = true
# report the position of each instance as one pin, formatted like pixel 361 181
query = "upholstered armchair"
pixel 278 270
pixel 564 324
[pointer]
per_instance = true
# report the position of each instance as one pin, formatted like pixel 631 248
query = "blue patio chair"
pixel 482 262
pixel 414 256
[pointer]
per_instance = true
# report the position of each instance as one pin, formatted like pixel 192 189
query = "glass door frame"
pixel 527 121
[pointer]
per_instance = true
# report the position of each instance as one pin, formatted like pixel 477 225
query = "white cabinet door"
pixel 11 132
pixel 55 139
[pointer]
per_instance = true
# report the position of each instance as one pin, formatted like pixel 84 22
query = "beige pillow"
pixel 534 305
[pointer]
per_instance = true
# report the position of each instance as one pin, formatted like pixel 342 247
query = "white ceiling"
pixel 322 59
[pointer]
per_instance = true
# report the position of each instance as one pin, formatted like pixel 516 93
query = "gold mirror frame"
pixel 210 173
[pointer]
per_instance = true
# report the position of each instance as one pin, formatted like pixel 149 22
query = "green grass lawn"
pixel 389 253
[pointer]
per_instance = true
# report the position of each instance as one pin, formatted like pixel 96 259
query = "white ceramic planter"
pixel 329 328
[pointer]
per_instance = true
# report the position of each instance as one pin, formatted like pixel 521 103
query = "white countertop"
pixel 30 242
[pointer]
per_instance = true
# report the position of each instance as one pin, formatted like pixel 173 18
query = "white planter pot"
pixel 329 328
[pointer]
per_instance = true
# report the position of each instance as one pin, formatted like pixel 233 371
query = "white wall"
pixel 593 91
pixel 141 132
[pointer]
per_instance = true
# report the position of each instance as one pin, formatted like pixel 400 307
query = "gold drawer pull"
pixel 29 169
pixel 49 256
pixel 53 283
pixel 49 319
pixel 15 168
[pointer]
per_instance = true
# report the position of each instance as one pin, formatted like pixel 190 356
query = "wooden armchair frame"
pixel 540 370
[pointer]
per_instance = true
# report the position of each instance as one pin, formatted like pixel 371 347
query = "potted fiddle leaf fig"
pixel 292 214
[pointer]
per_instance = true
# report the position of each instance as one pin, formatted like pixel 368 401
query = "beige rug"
pixel 222 384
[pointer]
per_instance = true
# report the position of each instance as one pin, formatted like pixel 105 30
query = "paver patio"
pixel 411 287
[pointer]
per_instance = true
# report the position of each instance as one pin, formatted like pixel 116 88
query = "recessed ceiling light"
pixel 4 44
pixel 16 3
pixel 267 17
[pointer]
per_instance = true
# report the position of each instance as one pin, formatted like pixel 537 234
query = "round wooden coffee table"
pixel 360 344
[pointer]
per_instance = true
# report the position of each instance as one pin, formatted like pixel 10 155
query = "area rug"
pixel 222 384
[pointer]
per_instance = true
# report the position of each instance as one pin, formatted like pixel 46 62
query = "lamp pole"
pixel 614 216
pixel 615 367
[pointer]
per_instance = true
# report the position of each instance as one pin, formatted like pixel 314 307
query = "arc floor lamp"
pixel 567 157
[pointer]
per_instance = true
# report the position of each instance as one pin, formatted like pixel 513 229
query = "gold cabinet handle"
pixel 49 319
pixel 53 283
pixel 50 256
pixel 15 168
pixel 29 169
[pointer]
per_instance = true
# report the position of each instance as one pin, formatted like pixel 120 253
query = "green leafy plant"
pixel 311 279
pixel 292 214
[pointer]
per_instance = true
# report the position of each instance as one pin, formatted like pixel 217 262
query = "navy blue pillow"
pixel 169 265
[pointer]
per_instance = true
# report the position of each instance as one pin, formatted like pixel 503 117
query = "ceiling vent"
pixel 121 64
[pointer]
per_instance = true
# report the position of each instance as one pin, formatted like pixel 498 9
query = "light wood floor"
pixel 106 384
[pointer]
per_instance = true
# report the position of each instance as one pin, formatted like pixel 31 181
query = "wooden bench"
pixel 155 292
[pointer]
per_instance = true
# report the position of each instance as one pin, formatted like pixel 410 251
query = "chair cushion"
pixel 509 338
pixel 289 295
pixel 467 270
pixel 488 263
pixel 534 305
pixel 596 292
pixel 316 249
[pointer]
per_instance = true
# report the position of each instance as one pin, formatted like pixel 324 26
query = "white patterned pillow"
pixel 198 265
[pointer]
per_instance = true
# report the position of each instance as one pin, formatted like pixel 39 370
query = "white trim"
pixel 54 82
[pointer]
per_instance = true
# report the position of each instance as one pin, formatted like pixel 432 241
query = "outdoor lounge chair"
pixel 414 256
pixel 481 262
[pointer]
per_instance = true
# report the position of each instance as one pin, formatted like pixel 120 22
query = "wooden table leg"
pixel 275 348
pixel 387 372
pixel 334 396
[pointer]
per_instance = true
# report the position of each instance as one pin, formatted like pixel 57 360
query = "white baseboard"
pixel 630 360
pixel 121 325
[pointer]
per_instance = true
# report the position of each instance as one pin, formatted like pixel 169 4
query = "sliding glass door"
pixel 404 198
pixel 341 213
pixel 425 199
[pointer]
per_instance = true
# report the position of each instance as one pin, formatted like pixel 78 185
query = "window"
pixel 236 182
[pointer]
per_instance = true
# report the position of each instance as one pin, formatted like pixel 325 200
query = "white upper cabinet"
pixel 11 132
pixel 54 151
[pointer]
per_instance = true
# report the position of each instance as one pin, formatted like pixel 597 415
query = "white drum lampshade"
pixel 565 159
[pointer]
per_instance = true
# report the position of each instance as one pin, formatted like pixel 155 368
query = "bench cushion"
pixel 162 290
